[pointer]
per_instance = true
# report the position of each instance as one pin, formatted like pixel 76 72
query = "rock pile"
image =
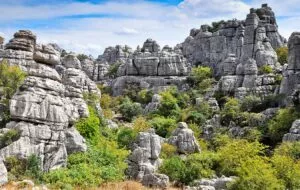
pixel 47 104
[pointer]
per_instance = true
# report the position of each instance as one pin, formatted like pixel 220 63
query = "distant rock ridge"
pixel 48 103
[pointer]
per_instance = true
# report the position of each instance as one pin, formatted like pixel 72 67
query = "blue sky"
pixel 88 26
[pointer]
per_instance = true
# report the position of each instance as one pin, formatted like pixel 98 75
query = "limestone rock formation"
pixel 236 52
pixel 291 74
pixel 47 104
pixel 156 180
pixel 212 184
pixel 154 104
pixel 144 159
pixel 294 133
pixel 3 173
pixel 183 138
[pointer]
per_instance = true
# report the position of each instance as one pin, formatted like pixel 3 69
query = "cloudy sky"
pixel 88 26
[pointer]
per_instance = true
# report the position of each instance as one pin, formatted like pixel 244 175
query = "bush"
pixel 287 170
pixel 200 75
pixel 113 70
pixel 231 111
pixel 89 127
pixel 9 137
pixel 289 149
pixel 215 26
pixel 129 109
pixel 248 103
pixel 258 174
pixel 140 124
pixel 103 162
pixel 11 77
pixel 195 166
pixel 163 126
pixel 235 153
pixel 167 151
pixel 145 96
pixel 20 169
pixel 282 54
pixel 265 69
pixel 126 136
pixel 82 57
pixel 168 105
pixel 281 123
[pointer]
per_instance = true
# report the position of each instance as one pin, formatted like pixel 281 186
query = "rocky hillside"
pixel 218 111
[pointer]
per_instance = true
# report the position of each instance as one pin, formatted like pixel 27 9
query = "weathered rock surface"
pixel 3 173
pixel 144 159
pixel 294 133
pixel 47 103
pixel 183 138
pixel 291 74
pixel 156 180
pixel 153 105
pixel 212 184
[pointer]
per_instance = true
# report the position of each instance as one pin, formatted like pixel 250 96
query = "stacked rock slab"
pixel 237 50
pixel 47 104
pixel 184 140
pixel 144 160
pixel 147 67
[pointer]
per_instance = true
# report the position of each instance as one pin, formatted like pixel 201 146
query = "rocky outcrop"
pixel 237 51
pixel 291 73
pixel 153 105
pixel 47 104
pixel 156 180
pixel 294 133
pixel 144 159
pixel 184 140
pixel 156 84
pixel 212 184
pixel 3 173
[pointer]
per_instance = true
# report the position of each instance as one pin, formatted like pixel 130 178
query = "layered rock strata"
pixel 47 104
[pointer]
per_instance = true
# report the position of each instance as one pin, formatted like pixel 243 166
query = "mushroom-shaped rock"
pixel 183 138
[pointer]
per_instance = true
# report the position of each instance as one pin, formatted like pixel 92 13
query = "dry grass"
pixel 126 185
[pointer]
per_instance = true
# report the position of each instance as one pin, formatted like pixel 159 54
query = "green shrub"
pixel 103 162
pixel 167 151
pixel 265 69
pixel 89 127
pixel 256 174
pixel 82 57
pixel 11 77
pixel 126 136
pixel 249 102
pixel 163 126
pixel 168 105
pixel 231 111
pixel 281 123
pixel 130 109
pixel 215 26
pixel 282 54
pixel 200 75
pixel 113 70
pixel 140 124
pixel 235 153
pixel 287 170
pixel 20 169
pixel 145 96
pixel 195 166
pixel 289 149
pixel 9 137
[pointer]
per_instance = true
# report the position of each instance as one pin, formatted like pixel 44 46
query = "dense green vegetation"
pixel 282 54
pixel 256 156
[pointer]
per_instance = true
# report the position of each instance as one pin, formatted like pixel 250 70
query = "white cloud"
pixel 129 23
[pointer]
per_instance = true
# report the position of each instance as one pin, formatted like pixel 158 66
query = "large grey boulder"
pixel 183 138
pixel 23 40
pixel 215 183
pixel 71 61
pixel 156 180
pixel 144 158
pixel 3 173
pixel 154 104
pixel 74 141
pixel 46 54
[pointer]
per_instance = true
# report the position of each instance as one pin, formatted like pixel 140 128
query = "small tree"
pixel 130 109
pixel 282 54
